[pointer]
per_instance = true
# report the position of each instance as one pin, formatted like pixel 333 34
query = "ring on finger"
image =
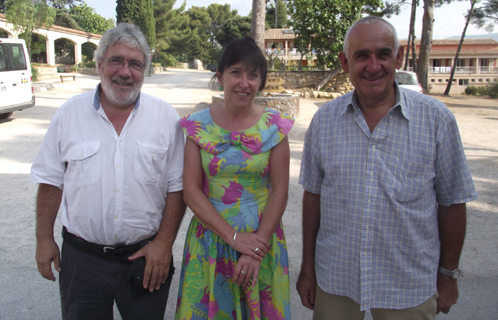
pixel 243 272
pixel 255 250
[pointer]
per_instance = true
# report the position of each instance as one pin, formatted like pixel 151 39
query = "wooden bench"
pixel 68 76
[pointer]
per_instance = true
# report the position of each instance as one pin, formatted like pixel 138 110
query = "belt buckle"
pixel 107 248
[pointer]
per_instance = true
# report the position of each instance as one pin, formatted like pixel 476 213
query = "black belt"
pixel 118 253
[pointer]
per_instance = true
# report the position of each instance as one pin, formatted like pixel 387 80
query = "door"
pixel 15 78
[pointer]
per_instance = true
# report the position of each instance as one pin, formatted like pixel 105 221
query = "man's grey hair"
pixel 369 20
pixel 127 34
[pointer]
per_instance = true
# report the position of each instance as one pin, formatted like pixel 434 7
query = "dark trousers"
pixel 89 285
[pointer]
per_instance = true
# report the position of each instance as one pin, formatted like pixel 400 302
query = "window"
pixel 461 63
pixel 3 63
pixel 436 63
pixel 17 61
pixel 463 82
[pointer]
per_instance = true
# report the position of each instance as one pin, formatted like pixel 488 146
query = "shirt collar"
pixel 401 100
pixel 96 99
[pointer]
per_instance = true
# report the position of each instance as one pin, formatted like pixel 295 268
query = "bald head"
pixel 369 20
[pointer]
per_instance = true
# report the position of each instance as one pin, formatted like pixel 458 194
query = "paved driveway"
pixel 26 295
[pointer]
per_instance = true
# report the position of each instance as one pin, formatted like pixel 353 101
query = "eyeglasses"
pixel 117 63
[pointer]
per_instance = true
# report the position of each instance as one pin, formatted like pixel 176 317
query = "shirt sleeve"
pixel 453 180
pixel 312 173
pixel 175 158
pixel 48 167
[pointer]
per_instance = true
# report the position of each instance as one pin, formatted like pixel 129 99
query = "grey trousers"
pixel 90 285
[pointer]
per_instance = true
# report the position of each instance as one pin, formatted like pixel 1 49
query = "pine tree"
pixel 140 13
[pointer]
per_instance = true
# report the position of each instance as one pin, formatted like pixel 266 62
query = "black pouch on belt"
pixel 137 276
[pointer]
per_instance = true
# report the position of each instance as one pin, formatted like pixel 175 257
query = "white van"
pixel 16 83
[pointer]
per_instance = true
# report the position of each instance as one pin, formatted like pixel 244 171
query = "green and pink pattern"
pixel 237 182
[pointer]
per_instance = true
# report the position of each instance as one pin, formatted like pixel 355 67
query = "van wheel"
pixel 5 115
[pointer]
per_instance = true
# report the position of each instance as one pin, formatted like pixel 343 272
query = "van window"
pixel 3 64
pixel 18 61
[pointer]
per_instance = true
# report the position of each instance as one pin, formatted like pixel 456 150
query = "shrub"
pixel 74 69
pixel 493 91
pixel 34 73
pixel 90 64
pixel 476 90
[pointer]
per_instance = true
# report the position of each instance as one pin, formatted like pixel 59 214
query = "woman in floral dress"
pixel 236 178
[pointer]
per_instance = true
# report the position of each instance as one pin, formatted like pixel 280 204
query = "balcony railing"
pixel 461 70
pixel 284 52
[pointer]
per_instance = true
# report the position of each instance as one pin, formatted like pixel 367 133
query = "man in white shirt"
pixel 112 163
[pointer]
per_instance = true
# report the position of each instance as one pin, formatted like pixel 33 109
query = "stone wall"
pixel 46 72
pixel 295 80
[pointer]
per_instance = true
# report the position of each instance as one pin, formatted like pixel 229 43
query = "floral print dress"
pixel 237 183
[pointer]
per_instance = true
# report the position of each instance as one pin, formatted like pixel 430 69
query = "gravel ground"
pixel 25 295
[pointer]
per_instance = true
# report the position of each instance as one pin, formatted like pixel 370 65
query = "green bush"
pixel 493 91
pixel 34 73
pixel 74 69
pixel 168 60
pixel 90 64
pixel 476 90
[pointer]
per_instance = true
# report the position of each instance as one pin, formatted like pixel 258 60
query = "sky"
pixel 449 19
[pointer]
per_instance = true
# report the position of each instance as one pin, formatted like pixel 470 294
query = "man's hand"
pixel 447 289
pixel 47 252
pixel 157 261
pixel 306 287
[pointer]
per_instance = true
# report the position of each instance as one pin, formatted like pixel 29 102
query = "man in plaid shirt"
pixel 386 181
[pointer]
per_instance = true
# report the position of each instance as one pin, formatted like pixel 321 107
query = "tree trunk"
pixel 258 22
pixel 455 62
pixel 414 55
pixel 330 75
pixel 425 44
pixel 276 16
pixel 411 34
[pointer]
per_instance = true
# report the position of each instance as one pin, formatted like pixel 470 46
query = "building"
pixel 477 63
pixel 280 43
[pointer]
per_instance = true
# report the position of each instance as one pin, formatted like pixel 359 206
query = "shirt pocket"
pixel 413 180
pixel 150 162
pixel 84 163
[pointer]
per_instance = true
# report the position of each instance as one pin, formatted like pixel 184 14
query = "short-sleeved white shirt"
pixel 114 187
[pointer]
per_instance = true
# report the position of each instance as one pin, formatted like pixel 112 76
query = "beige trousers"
pixel 333 307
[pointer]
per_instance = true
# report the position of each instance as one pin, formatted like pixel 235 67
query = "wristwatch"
pixel 455 274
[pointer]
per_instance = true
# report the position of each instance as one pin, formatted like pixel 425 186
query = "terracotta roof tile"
pixel 64 29
pixel 453 41
pixel 279 34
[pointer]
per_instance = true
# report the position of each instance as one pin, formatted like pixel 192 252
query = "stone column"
pixel 77 52
pixel 50 47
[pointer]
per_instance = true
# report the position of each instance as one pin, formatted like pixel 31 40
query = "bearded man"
pixel 111 162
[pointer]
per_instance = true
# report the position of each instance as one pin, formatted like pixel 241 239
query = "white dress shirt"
pixel 114 187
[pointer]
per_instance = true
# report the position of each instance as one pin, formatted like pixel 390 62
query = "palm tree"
pixel 258 22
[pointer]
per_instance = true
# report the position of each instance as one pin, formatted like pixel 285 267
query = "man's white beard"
pixel 118 96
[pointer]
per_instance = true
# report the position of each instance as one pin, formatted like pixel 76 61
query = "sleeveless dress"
pixel 237 183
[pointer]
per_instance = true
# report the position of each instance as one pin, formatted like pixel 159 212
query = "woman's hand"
pixel 251 244
pixel 247 270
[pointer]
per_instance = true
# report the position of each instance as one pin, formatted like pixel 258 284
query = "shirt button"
pixel 117 166
pixel 373 147
pixel 81 156
pixel 117 190
pixel 371 173
pixel 116 216
pixel 369 201
pixel 152 157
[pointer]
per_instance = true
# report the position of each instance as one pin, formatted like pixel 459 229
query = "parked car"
pixel 408 80
pixel 16 83
pixel 212 67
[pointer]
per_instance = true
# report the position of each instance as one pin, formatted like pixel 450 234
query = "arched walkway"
pixel 53 33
